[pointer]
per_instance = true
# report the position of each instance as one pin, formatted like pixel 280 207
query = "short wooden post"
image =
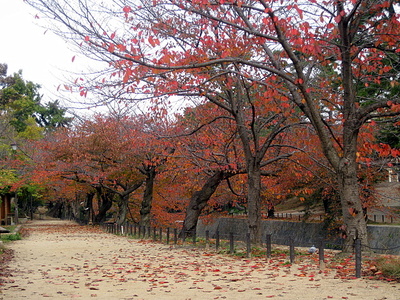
pixel 268 244
pixel 291 251
pixel 175 236
pixel 231 243
pixel 321 255
pixel 168 230
pixel 194 237
pixel 183 236
pixel 248 245
pixel 217 240
pixel 357 250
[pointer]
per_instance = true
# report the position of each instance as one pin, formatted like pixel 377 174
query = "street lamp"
pixel 14 146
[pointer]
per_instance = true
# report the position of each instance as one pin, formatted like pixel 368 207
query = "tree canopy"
pixel 23 120
pixel 332 62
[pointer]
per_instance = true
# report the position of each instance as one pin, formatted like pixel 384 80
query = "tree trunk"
pixel 123 206
pixel 254 202
pixel 145 211
pixel 89 206
pixel 199 200
pixel 355 226
pixel 105 199
pixel 354 222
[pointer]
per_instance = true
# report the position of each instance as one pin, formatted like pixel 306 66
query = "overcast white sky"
pixel 43 57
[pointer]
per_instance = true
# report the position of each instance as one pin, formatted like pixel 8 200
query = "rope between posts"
pixel 381 249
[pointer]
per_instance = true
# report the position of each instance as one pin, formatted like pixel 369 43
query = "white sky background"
pixel 43 57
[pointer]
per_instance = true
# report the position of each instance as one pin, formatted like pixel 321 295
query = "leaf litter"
pixel 61 259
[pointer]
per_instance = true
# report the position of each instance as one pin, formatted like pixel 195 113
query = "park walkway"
pixel 62 260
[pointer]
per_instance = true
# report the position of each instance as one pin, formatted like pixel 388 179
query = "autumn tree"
pixel 111 157
pixel 250 139
pixel 341 43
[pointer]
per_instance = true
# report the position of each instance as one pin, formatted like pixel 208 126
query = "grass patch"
pixel 389 266
pixel 10 237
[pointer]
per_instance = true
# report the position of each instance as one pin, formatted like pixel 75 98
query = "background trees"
pixel 23 119
pixel 317 56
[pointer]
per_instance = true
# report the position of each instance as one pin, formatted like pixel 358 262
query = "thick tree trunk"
pixel 105 199
pixel 123 206
pixel 145 211
pixel 254 202
pixel 355 226
pixel 353 218
pixel 199 200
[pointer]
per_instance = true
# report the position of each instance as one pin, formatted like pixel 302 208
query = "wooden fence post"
pixel 217 240
pixel 321 255
pixel 248 245
pixel 194 238
pixel 231 243
pixel 268 244
pixel 358 258
pixel 168 229
pixel 175 236
pixel 291 250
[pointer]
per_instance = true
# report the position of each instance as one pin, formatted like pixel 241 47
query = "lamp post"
pixel 14 147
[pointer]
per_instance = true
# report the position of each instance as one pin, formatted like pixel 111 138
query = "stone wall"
pixel 382 239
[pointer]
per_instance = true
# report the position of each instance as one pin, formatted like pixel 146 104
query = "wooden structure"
pixel 6 216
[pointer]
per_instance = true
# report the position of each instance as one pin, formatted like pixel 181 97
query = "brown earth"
pixel 61 260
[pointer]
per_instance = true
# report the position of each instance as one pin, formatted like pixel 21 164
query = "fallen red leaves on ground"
pixel 5 272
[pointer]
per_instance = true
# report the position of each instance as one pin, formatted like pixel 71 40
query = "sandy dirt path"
pixel 61 260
